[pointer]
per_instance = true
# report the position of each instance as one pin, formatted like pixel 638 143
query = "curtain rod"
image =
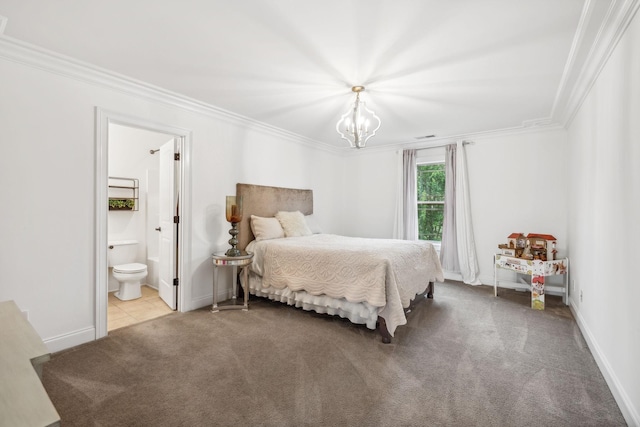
pixel 444 144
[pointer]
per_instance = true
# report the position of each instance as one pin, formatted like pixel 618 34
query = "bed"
pixel 373 282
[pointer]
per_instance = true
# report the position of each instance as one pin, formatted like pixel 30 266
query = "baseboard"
pixel 202 302
pixel 456 277
pixel 223 295
pixel 486 279
pixel 625 404
pixel 72 339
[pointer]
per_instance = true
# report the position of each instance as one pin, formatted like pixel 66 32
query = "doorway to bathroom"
pixel 142 177
pixel 141 186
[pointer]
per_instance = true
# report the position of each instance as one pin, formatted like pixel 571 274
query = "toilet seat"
pixel 131 268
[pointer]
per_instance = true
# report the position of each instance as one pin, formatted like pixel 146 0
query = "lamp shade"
pixel 234 208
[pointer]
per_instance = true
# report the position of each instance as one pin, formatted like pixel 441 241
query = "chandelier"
pixel 359 123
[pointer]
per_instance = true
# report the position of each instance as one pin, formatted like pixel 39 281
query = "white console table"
pixel 538 270
pixel 23 399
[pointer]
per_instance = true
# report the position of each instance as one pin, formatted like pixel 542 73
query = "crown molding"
pixel 593 44
pixel 591 48
pixel 533 126
pixel 30 55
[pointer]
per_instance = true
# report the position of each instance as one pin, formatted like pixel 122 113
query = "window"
pixel 430 189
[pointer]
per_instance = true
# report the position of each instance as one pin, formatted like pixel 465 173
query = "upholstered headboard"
pixel 261 200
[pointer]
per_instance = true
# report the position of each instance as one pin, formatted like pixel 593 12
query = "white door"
pixel 168 205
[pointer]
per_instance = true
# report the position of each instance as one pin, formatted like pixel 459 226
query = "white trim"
pixel 450 275
pixel 431 156
pixel 629 412
pixel 573 88
pixel 575 83
pixel 565 106
pixel 618 18
pixel 100 228
pixel 34 56
pixel 185 230
pixel 569 66
pixel 486 279
pixel 475 137
pixel 208 300
pixel 70 339
pixel 103 119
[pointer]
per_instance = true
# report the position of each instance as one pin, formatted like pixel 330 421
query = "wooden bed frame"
pixel 266 201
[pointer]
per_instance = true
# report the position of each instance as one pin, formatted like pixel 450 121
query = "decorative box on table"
pixel 517 240
pixel 515 246
pixel 542 246
pixel 509 252
pixel 531 246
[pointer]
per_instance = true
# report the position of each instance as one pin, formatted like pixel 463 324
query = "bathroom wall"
pixel 130 157
pixel 153 219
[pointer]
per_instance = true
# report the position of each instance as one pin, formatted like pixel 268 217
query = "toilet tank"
pixel 122 252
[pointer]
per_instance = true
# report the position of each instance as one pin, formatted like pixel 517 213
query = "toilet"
pixel 121 255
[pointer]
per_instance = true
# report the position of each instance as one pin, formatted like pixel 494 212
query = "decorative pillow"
pixel 266 228
pixel 293 223
pixel 313 224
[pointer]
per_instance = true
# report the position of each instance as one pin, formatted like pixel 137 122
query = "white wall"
pixel 517 184
pixel 232 154
pixel 369 200
pixel 47 170
pixel 604 208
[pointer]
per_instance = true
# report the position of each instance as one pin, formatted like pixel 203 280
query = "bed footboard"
pixel 382 324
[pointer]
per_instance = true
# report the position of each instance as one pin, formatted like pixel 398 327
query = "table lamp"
pixel 234 216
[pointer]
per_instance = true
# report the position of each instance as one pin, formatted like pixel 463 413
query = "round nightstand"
pixel 242 261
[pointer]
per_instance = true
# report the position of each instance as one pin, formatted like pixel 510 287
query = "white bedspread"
pixel 385 273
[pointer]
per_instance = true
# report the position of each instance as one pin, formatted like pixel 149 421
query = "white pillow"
pixel 293 224
pixel 313 224
pixel 266 228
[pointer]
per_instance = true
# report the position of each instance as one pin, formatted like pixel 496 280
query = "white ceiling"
pixel 441 67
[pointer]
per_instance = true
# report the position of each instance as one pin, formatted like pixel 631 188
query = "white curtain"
pixel 410 195
pixel 398 229
pixel 406 226
pixel 449 243
pixel 457 240
pixel 464 229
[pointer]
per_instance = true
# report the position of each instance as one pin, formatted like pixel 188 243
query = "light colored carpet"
pixel 464 359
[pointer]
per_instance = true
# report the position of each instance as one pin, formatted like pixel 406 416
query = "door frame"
pixel 103 119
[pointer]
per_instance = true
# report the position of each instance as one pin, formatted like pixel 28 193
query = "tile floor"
pixel 124 313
